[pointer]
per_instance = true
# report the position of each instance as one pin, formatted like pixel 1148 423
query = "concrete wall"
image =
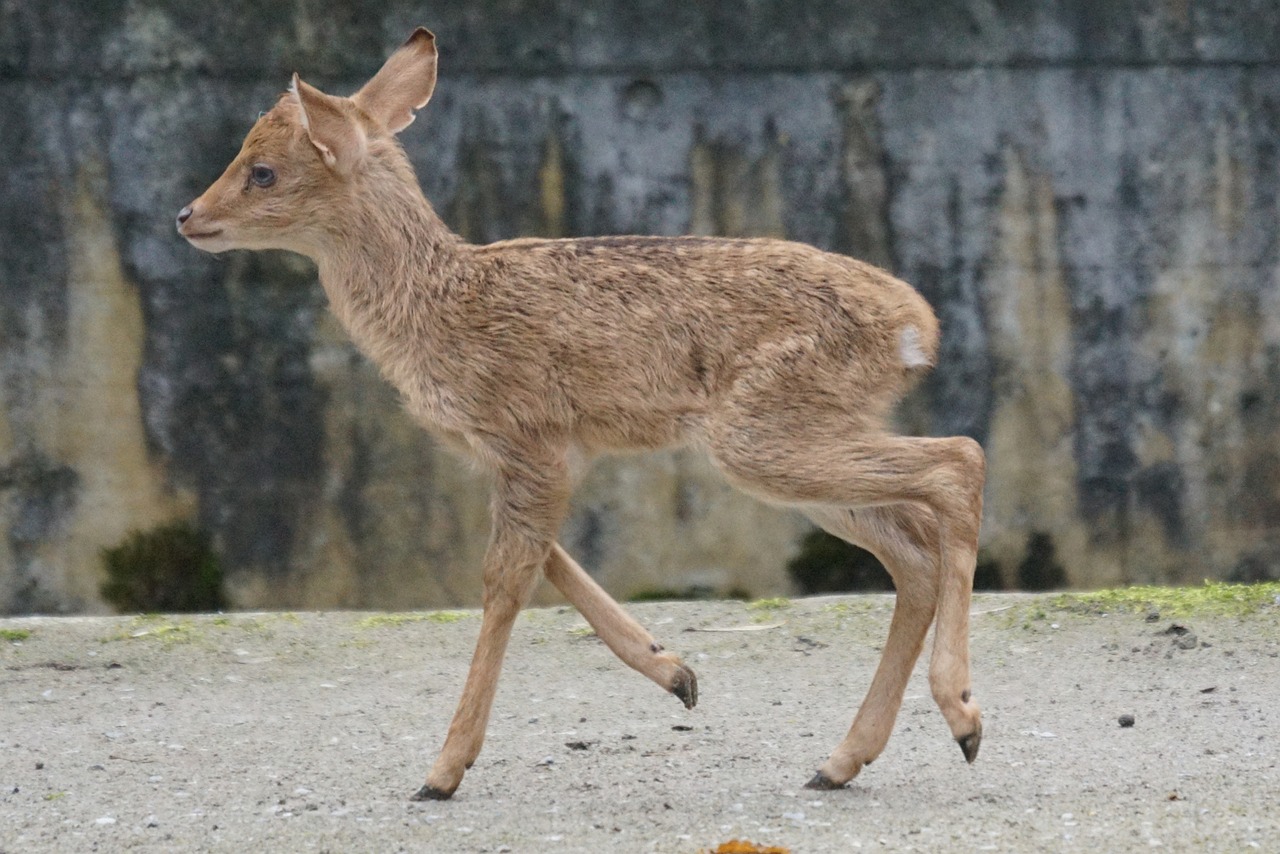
pixel 1086 191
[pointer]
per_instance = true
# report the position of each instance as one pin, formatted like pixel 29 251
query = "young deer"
pixel 781 361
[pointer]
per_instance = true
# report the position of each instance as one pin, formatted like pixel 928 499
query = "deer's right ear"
pixel 403 84
pixel 335 134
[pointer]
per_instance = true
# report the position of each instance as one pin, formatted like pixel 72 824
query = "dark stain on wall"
pixel 39 494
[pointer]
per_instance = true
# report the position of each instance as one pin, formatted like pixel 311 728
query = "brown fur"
pixel 781 361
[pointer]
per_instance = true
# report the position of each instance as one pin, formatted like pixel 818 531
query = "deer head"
pixel 293 183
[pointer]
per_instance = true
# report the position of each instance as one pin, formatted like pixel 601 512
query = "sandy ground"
pixel 283 732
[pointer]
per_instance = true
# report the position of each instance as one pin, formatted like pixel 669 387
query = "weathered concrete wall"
pixel 1087 192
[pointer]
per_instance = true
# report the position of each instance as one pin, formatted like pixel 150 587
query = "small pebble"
pixel 1126 720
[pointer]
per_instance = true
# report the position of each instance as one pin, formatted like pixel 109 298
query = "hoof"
pixel 431 793
pixel 822 783
pixel 685 687
pixel 969 745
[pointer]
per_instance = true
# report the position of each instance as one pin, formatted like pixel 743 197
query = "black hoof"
pixel 431 793
pixel 685 687
pixel 969 745
pixel 822 783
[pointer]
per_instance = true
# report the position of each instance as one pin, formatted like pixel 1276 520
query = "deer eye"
pixel 262 175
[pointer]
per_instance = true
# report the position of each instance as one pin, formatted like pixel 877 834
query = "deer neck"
pixel 386 268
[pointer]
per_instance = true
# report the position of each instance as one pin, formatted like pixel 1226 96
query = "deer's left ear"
pixel 404 83
pixel 334 132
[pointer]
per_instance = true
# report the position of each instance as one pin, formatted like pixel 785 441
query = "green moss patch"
pixel 156 627
pixel 378 621
pixel 1213 597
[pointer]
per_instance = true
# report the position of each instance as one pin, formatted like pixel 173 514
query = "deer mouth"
pixel 202 235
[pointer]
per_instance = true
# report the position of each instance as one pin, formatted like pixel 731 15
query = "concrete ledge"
pixel 275 732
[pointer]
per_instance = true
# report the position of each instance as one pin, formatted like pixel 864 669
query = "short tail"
pixel 913 349
pixel 918 343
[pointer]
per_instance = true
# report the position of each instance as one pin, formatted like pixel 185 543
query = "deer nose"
pixel 184 215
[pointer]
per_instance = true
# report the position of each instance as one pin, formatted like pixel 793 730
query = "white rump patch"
pixel 913 355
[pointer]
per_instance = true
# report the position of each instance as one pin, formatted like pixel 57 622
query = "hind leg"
pixel 905 539
pixel 798 461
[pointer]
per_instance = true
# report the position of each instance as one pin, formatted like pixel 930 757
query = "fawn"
pixel 781 361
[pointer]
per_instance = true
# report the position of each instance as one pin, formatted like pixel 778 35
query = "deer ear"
pixel 332 130
pixel 403 84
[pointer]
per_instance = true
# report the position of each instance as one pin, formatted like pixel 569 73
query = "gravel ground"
pixel 298 732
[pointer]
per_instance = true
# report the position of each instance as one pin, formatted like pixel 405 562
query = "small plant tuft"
pixel 170 568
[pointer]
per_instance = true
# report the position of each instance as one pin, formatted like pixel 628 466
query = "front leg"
pixel 527 511
pixel 619 631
